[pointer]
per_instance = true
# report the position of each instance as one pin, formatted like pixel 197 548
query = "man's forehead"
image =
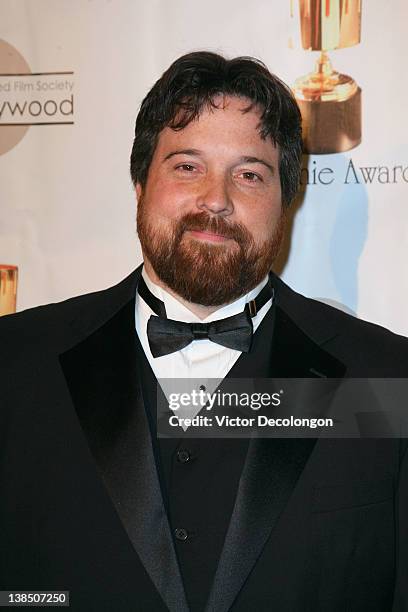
pixel 231 118
pixel 239 105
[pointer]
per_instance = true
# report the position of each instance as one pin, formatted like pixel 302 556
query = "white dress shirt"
pixel 203 361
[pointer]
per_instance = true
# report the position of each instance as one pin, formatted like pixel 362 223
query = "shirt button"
pixel 183 456
pixel 181 534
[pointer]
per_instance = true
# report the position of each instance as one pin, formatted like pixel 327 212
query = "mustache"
pixel 203 222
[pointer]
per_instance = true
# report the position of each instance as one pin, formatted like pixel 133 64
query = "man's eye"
pixel 251 177
pixel 186 167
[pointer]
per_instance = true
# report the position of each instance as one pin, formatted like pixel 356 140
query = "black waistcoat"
pixel 199 477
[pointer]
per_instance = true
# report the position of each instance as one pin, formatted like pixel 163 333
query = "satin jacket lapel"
pixel 272 468
pixel 101 374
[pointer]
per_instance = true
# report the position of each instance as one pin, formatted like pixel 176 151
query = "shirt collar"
pixel 177 311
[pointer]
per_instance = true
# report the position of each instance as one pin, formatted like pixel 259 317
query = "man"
pixel 92 501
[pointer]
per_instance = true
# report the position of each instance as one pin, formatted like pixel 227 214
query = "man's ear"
pixel 139 190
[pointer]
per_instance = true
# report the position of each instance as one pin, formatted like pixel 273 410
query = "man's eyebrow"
pixel 247 159
pixel 182 152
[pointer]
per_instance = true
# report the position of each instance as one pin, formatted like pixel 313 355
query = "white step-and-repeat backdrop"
pixel 72 76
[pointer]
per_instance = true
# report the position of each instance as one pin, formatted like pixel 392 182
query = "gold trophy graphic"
pixel 330 102
pixel 8 289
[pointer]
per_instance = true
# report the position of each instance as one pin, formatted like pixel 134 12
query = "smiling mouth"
pixel 209 236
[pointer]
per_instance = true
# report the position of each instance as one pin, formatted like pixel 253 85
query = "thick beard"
pixel 210 274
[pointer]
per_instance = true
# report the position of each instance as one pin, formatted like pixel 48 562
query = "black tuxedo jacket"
pixel 317 525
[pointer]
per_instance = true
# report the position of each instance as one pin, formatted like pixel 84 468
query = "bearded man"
pixel 93 501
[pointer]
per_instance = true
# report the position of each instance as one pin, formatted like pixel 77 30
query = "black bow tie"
pixel 167 336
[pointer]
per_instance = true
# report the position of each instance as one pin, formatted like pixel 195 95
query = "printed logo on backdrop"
pixel 31 98
pixel 330 102
pixel 331 218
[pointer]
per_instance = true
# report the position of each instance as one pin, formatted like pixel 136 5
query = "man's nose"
pixel 215 196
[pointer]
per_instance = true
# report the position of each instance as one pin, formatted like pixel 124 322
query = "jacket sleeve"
pixel 400 603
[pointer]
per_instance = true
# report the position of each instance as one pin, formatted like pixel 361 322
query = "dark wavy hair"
pixel 192 82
